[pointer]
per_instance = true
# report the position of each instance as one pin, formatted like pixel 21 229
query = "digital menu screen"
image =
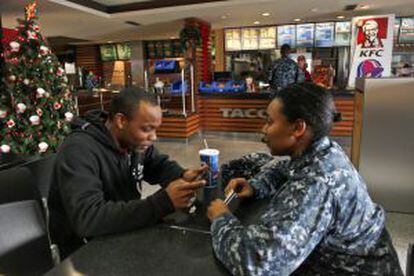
pixel 324 34
pixel 407 30
pixel 250 39
pixel 267 39
pixel 342 33
pixel 304 35
pixel 233 39
pixel 286 35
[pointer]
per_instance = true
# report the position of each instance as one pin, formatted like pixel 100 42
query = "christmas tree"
pixel 36 106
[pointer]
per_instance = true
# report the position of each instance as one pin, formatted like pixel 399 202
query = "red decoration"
pixel 8 35
pixel 205 36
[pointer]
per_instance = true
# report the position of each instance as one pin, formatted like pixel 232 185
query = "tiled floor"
pixel 401 226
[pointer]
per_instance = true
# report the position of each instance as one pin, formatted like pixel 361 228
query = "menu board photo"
pixel 124 51
pixel 342 33
pixel 233 39
pixel 407 30
pixel 324 34
pixel 267 38
pixel 108 52
pixel 304 35
pixel 286 35
pixel 250 39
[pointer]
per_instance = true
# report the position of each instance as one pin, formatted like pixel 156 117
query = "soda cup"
pixel 210 157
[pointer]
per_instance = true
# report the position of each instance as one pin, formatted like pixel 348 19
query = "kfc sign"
pixel 372 42
pixel 251 113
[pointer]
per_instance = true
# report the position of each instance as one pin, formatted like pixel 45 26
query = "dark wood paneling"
pixel 88 56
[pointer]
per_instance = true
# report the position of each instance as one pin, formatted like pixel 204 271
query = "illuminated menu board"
pixel 267 39
pixel 407 30
pixel 324 34
pixel 304 35
pixel 233 39
pixel 250 39
pixel 286 35
pixel 342 33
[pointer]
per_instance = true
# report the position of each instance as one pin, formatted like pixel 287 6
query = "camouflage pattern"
pixel 283 72
pixel 320 221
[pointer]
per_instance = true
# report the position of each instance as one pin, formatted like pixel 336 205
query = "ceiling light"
pixel 364 7
pixel 110 41
pixel 223 16
pixel 173 37
pixel 265 14
pixel 256 22
pixel 314 10
pixel 297 19
pixel 340 16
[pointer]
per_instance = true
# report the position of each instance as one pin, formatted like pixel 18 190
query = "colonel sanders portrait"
pixel 371 38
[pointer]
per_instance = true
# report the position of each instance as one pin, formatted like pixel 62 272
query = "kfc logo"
pixel 371 32
pixel 370 68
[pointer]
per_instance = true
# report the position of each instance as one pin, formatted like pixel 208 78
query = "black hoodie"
pixel 96 187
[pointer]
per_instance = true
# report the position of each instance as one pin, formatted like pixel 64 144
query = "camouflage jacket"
pixel 320 221
pixel 284 72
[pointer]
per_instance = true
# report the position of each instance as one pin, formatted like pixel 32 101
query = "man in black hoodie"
pixel 96 188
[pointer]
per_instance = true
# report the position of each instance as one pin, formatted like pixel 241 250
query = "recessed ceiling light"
pixel 314 10
pixel 223 16
pixel 256 22
pixel 364 7
pixel 265 14
pixel 173 37
pixel 297 19
pixel 110 41
pixel 340 16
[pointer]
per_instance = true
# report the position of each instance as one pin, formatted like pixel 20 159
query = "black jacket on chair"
pixel 96 188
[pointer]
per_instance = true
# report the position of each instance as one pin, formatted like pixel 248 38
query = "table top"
pixel 179 246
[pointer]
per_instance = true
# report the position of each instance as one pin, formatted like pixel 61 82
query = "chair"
pixel 16 184
pixel 410 260
pixel 42 170
pixel 24 243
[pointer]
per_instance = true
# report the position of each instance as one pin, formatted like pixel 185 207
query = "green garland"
pixel 189 34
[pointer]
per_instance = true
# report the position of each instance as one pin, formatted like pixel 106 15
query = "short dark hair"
pixel 311 103
pixel 285 49
pixel 128 100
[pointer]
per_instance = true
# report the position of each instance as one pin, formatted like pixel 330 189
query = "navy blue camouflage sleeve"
pixel 293 224
pixel 270 178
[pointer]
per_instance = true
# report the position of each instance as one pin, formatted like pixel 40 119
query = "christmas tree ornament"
pixel 68 116
pixel 10 123
pixel 3 114
pixel 40 92
pixel 26 81
pixel 5 148
pixel 35 120
pixel 21 108
pixel 57 105
pixel 44 50
pixel 14 46
pixel 43 146
pixel 12 78
pixel 39 112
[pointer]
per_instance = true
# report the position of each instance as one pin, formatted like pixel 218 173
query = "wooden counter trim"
pixel 211 117
pixel 179 127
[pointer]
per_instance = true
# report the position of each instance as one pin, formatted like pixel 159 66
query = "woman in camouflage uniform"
pixel 320 219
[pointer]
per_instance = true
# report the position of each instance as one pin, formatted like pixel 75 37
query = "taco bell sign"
pixel 372 42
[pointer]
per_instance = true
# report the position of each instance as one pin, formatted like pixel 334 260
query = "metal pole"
pixel 192 88
pixel 183 92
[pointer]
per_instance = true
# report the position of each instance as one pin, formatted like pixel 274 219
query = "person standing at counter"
pixel 96 187
pixel 304 66
pixel 320 219
pixel 285 71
